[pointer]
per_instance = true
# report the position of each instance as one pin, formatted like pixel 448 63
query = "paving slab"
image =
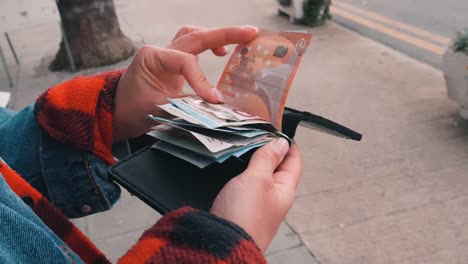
pixel 127 216
pixel 286 238
pixel 115 247
pixel 399 196
pixel 296 255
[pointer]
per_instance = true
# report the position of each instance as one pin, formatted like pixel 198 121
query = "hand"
pixel 259 198
pixel 158 73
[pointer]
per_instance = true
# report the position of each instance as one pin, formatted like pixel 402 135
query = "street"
pixel 421 30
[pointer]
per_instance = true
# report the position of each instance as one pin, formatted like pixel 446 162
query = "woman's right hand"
pixel 158 73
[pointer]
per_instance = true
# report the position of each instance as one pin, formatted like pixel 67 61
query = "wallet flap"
pixel 292 118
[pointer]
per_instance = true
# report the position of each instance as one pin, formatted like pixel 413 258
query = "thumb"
pixel 266 159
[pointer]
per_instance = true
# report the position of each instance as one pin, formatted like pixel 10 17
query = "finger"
pixel 185 30
pixel 290 170
pixel 220 51
pixel 201 40
pixel 178 62
pixel 266 159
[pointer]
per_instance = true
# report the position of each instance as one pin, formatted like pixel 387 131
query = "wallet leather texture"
pixel 166 183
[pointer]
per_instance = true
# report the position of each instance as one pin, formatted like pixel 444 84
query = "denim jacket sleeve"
pixel 74 180
pixel 25 238
pixel 62 145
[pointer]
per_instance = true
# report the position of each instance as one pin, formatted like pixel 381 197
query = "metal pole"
pixel 11 47
pixel 67 48
pixel 10 80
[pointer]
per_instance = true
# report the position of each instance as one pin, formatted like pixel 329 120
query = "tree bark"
pixel 93 33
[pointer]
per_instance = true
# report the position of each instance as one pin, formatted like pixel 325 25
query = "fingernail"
pixel 218 94
pixel 282 146
pixel 251 28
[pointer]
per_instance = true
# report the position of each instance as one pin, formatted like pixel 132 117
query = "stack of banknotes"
pixel 254 84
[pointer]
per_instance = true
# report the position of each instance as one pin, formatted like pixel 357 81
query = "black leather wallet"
pixel 166 182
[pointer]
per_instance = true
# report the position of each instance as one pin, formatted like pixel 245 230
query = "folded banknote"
pixel 202 137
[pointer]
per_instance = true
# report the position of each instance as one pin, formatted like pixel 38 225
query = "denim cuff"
pixel 75 181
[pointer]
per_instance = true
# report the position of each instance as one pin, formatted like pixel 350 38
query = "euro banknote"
pixel 258 75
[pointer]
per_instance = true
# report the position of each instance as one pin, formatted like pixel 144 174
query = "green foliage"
pixel 284 2
pixel 460 43
pixel 316 12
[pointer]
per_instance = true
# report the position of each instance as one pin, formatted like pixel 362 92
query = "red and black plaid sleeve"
pixel 79 113
pixel 190 236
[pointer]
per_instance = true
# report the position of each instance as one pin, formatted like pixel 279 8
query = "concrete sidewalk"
pixel 399 196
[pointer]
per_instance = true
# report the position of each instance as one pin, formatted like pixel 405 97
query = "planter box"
pixel 295 11
pixel 455 67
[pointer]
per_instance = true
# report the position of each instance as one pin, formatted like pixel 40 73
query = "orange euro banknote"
pixel 259 74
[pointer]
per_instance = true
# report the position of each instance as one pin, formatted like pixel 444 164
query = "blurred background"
pixel 396 71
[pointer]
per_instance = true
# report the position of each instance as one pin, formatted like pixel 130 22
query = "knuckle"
pixel 145 50
pixel 189 63
pixel 265 154
pixel 190 58
pixel 269 154
pixel 185 29
pixel 144 53
pixel 195 38
pixel 195 34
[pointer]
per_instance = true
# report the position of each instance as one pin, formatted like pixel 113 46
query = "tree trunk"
pixel 93 34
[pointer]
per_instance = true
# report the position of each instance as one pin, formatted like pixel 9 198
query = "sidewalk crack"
pixel 301 243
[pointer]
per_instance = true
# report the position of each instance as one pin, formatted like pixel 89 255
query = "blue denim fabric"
pixel 24 237
pixel 75 181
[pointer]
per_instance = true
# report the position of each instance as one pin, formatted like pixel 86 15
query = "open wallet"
pixel 166 182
